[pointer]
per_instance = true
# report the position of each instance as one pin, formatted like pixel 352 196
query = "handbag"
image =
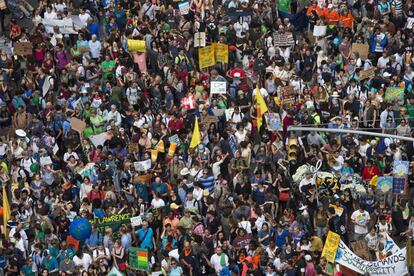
pixel 284 196
pixel 122 266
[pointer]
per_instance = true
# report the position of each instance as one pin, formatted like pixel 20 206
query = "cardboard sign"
pixel 23 49
pixel 218 87
pixel 77 125
pixel 360 248
pixel 184 7
pixel 367 74
pixel 200 39
pixel 71 242
pixel 222 52
pixel 362 49
pixel 206 57
pixel 136 46
pixel 206 121
pixel 331 246
pixel 133 147
pixel 283 40
pixel 319 30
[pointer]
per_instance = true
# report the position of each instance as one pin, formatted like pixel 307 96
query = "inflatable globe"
pixel 80 229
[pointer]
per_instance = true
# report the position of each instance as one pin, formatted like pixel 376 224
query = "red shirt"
pixel 176 124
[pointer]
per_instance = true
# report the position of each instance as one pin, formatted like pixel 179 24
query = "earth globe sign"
pixel 80 229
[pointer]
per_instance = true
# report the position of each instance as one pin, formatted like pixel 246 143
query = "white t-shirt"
pixel 84 18
pixel 85 261
pixel 157 203
pixel 215 261
pixel 361 219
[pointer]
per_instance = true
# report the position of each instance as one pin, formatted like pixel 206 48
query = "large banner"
pixel 114 222
pixel 392 265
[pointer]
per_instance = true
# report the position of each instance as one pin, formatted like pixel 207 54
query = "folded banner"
pixel 392 265
pixel 65 25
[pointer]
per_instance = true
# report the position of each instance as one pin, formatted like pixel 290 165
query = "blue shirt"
pixel 207 183
pixel 145 237
pixel 93 239
pixel 93 29
pixel 159 188
pixel 280 239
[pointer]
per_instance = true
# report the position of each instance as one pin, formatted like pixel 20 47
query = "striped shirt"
pixel 207 183
pixel 397 6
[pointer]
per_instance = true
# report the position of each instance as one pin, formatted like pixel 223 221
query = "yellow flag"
pixel 261 108
pixel 6 212
pixel 195 139
pixel 160 146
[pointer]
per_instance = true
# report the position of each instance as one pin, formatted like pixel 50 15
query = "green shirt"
pixel 410 109
pixel 108 65
pixel 88 132
pixel 284 5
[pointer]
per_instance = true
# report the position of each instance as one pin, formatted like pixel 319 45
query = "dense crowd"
pixel 92 127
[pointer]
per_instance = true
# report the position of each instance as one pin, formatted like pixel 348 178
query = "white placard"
pixel 143 165
pixel 45 161
pixel 410 21
pixel 136 221
pixel 65 25
pixel 98 140
pixel 319 30
pixel 55 149
pixel 218 87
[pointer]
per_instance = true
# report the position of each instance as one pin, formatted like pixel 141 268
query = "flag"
pixel 299 20
pixel 6 212
pixel 195 139
pixel 261 108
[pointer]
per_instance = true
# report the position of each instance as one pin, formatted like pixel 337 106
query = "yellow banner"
pixel 331 246
pixel 206 57
pixel 171 150
pixel 136 45
pixel 222 52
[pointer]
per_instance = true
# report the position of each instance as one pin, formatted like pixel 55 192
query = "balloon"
pixel 80 229
pixel 34 167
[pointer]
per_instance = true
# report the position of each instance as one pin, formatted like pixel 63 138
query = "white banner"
pixel 143 165
pixel 65 25
pixel 218 87
pixel 394 265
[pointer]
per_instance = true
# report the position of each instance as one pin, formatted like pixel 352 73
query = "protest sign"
pixel 384 183
pixel 360 248
pixel 218 87
pixel 184 7
pixel 401 168
pixel 218 112
pixel 174 139
pixel 206 57
pixel 200 39
pixel 136 221
pixel 77 125
pixel 23 48
pixel 410 21
pixel 394 93
pixel 45 161
pixel 206 121
pixel 367 74
pixel 287 95
pixel 319 30
pixel 133 147
pixel 331 246
pixel 77 22
pixel 392 265
pixel 99 139
pixel 362 49
pixel 283 40
pixel 141 166
pixel 273 121
pixel 138 259
pixel 338 209
pixel 222 52
pixel 188 102
pixel 136 45
pixel 65 25
pixel 233 12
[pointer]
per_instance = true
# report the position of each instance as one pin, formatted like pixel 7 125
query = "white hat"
pixel 237 75
pixel 335 94
pixel 308 258
pixel 20 133
pixel 330 6
pixel 387 75
pixel 185 171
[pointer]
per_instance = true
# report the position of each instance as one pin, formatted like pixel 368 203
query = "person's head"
pixel 362 207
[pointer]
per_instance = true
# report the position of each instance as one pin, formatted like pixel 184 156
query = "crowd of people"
pixel 91 127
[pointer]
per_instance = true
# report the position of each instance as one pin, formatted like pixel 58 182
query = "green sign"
pixel 394 93
pixel 138 259
pixel 114 222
